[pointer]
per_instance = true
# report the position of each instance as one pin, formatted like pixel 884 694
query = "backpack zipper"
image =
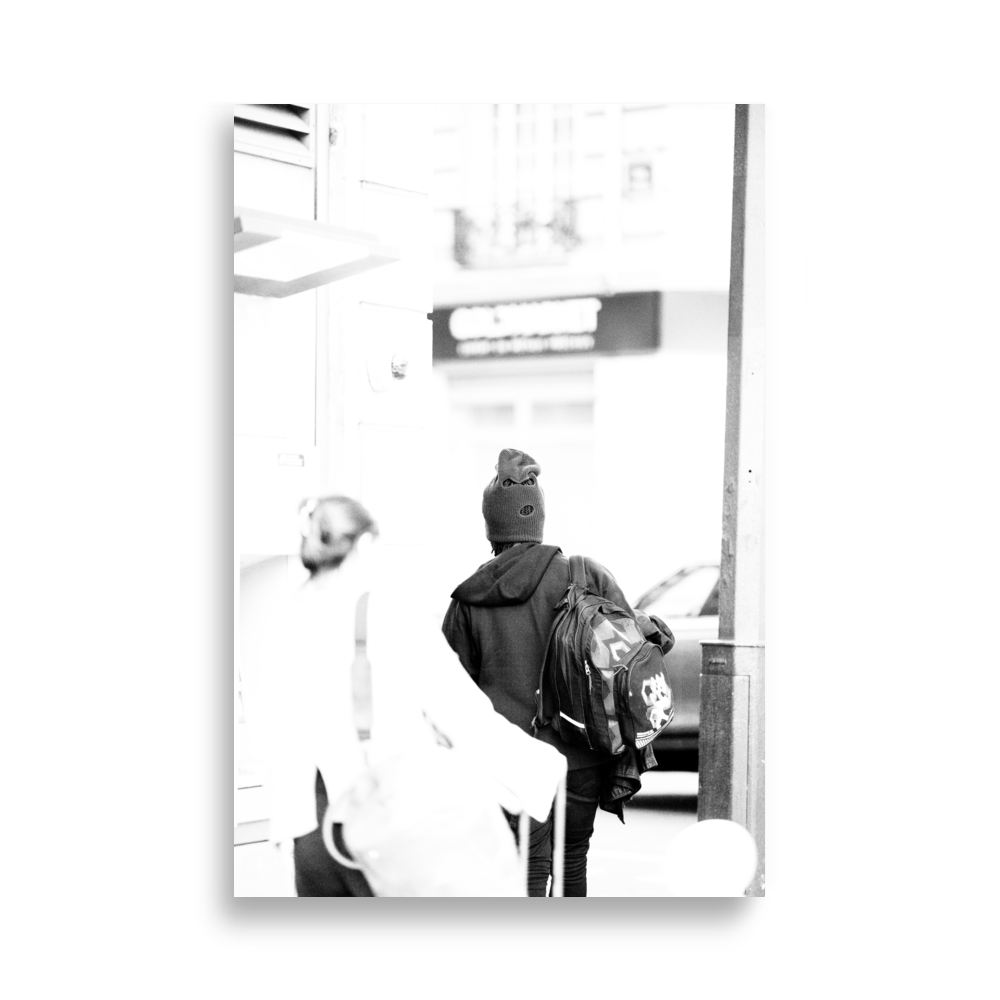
pixel 589 704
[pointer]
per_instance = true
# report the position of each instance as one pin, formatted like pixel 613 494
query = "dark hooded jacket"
pixel 499 622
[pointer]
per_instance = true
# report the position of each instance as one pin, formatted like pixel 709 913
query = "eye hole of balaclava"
pixel 508 482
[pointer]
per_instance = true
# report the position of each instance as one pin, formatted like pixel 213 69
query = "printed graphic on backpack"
pixel 637 699
pixel 644 699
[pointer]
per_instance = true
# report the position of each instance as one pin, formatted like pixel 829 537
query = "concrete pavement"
pixel 623 860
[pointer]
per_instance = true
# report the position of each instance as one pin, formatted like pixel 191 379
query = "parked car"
pixel 688 601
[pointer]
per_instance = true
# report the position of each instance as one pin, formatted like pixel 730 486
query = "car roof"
pixel 685 570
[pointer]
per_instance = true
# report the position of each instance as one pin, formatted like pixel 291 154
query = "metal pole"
pixel 321 415
pixel 523 838
pixel 731 733
pixel 559 839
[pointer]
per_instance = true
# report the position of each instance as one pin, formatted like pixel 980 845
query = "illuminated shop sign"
pixel 588 324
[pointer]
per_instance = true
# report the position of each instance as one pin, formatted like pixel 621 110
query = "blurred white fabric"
pixel 418 685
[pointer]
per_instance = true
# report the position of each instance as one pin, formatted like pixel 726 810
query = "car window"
pixel 688 596
pixel 712 604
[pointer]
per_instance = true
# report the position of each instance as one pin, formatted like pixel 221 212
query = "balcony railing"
pixel 516 236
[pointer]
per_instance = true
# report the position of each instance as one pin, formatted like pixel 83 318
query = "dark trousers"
pixel 583 788
pixel 317 873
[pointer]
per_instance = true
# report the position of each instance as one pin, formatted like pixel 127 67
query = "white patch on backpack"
pixel 656 697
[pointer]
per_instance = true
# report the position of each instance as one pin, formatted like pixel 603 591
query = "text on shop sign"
pixel 603 324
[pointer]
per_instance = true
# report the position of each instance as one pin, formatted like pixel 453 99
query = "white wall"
pixel 309 373
pixel 664 414
pixel 274 351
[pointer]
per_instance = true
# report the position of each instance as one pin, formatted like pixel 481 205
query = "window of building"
pixel 519 183
pixel 276 131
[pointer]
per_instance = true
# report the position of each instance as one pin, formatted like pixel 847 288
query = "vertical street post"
pixel 731 732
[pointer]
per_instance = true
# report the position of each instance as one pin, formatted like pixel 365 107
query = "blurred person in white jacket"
pixel 420 694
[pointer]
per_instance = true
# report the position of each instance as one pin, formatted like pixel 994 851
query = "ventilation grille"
pixel 278 131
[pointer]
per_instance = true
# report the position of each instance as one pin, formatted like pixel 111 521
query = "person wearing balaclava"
pixel 499 621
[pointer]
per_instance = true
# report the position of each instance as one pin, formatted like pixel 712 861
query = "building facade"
pixel 332 385
pixel 550 222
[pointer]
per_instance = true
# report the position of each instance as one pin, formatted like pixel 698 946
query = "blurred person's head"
pixel 513 502
pixel 331 528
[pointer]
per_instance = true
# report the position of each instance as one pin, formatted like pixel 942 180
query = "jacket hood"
pixel 510 578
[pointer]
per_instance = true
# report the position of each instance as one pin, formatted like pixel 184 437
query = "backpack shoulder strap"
pixel 361 622
pixel 578 572
pixel 361 672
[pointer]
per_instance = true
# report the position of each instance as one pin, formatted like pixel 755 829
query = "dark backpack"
pixel 603 684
